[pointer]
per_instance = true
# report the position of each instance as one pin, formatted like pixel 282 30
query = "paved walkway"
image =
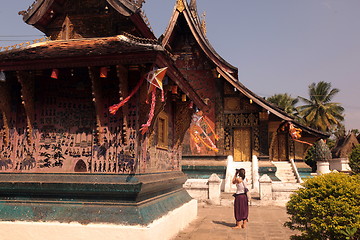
pixel 215 222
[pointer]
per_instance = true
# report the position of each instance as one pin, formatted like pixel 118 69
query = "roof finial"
pixel 180 6
pixel 203 23
pixel 193 5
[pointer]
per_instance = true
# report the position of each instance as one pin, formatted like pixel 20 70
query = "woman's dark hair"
pixel 241 173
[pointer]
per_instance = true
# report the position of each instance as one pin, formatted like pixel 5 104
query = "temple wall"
pixel 201 138
pixel 63 126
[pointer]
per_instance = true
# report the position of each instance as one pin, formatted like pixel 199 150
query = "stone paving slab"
pixel 215 222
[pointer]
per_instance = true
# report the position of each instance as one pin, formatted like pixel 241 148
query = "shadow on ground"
pixel 224 223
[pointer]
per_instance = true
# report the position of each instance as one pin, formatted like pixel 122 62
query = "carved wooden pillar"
pixel 27 96
pixel 94 74
pixel 5 103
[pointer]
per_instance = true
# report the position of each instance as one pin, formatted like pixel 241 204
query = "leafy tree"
pixel 354 159
pixel 319 111
pixel 285 102
pixel 339 131
pixel 326 208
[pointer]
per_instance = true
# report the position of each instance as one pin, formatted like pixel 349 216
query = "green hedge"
pixel 327 208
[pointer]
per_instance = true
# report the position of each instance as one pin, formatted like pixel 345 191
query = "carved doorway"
pixel 242 144
pixel 280 147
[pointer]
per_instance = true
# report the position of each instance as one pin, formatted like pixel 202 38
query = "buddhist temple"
pixel 238 123
pixel 91 127
pixel 100 120
pixel 344 146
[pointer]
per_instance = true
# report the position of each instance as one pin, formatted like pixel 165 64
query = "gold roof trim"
pixel 180 6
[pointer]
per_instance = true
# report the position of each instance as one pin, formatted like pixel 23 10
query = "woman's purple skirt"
pixel 241 207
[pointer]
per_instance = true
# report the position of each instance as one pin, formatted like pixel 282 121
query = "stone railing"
pixel 296 172
pixel 205 189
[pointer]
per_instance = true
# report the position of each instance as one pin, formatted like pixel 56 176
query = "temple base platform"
pixel 102 206
pixel 164 228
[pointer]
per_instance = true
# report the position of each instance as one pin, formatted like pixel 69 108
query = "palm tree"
pixel 319 112
pixel 285 102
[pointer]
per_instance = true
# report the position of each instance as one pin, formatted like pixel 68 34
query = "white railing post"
pixel 229 174
pixel 265 188
pixel 214 189
pixel 255 173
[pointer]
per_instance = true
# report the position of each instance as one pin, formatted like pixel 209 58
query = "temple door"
pixel 281 148
pixel 242 145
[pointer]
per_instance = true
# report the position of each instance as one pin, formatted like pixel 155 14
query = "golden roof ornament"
pixel 180 6
pixel 203 23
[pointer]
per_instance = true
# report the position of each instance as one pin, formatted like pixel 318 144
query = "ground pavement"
pixel 215 222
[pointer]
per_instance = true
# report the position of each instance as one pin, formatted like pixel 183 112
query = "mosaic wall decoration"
pixel 162 159
pixel 232 104
pixel 65 136
pixel 202 136
pixel 227 139
pixel 70 128
pixel 241 119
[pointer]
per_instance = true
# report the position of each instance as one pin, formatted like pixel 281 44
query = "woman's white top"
pixel 240 187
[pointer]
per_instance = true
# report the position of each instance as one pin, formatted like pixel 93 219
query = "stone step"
pixel 285 172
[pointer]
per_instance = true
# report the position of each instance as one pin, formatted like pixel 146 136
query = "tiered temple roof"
pixel 225 69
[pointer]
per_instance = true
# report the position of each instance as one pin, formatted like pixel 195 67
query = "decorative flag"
pixel 103 72
pixel 295 133
pixel 200 130
pixel 191 104
pixel 183 97
pixel 55 73
pixel 174 89
pixel 113 109
pixel 145 127
pixel 155 78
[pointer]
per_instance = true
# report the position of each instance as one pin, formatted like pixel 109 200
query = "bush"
pixel 354 159
pixel 310 159
pixel 327 207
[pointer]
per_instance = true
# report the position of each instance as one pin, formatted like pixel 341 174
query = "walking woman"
pixel 241 206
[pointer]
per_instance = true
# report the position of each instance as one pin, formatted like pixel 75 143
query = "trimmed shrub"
pixel 322 151
pixel 354 159
pixel 326 208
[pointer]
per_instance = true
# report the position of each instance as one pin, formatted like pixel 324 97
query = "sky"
pixel 279 46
